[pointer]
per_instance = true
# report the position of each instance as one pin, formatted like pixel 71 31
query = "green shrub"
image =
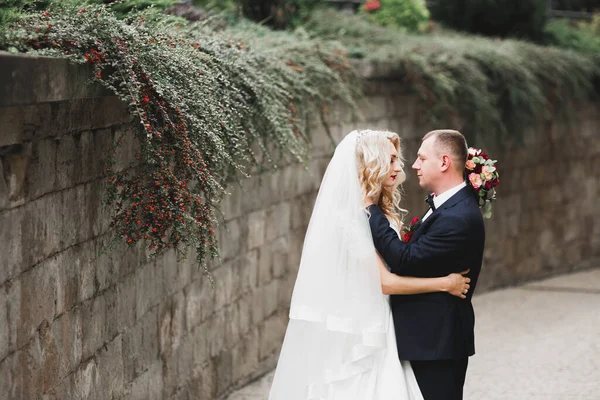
pixel 492 87
pixel 569 35
pixel 504 18
pixel 207 106
pixel 409 14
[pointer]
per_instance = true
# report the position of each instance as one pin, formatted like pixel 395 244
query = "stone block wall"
pixel 78 325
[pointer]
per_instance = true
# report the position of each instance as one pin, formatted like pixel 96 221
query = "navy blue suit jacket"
pixel 435 326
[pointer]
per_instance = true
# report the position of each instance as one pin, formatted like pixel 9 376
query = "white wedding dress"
pixel 340 342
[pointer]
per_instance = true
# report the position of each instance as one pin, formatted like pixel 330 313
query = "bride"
pixel 340 342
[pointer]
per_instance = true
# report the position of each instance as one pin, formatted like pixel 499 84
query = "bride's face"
pixel 396 175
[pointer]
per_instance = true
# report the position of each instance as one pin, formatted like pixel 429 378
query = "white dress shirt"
pixel 443 197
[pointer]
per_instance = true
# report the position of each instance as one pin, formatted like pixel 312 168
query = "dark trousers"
pixel 441 379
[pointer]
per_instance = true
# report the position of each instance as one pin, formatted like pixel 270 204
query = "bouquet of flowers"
pixel 483 176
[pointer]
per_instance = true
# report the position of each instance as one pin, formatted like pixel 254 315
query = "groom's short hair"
pixel 452 143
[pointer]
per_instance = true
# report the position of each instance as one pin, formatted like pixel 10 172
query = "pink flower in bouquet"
pixel 475 180
pixel 473 151
pixel 488 172
pixel 470 165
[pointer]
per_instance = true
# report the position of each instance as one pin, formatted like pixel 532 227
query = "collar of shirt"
pixel 442 198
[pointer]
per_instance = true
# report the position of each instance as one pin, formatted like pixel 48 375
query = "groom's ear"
pixel 446 163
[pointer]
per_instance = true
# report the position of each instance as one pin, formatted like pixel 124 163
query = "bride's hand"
pixel 458 285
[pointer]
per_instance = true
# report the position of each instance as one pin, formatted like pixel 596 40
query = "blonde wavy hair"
pixel 373 162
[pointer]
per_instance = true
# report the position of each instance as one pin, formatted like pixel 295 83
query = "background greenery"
pixel 411 15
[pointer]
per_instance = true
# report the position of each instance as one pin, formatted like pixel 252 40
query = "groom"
pixel 435 330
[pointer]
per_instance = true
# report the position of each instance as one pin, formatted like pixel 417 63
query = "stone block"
pixel 251 192
pixel 126 151
pixel 112 321
pixel 11 125
pixel 38 289
pixel 245 356
pixel 199 301
pixel 99 215
pixel 93 315
pixel 224 286
pixel 67 331
pixel 231 239
pixel 149 385
pixel 41 173
pixel 110 369
pixel 176 275
pixel 215 331
pixel 264 266
pixel 178 323
pixel 322 144
pixel 15 160
pixel 284 291
pixel 126 302
pixel 295 250
pixel 247 272
pixel 67 161
pixel 256 229
pixel 271 333
pixel 245 315
pixel 42 228
pixel 106 265
pixel 49 365
pixel 11 379
pixel 309 179
pixel 232 326
pixel 29 367
pixel 63 391
pixel 87 269
pixel 69 268
pixel 273 187
pixel 223 363
pixel 269 297
pixel 140 346
pixel 69 223
pixel 200 343
pixel 280 256
pixel 204 386
pixel 4 326
pixel 302 210
pixel 148 288
pixel 86 381
pixel 4 202
pixel 278 220
pixel 11 259
pixel 231 205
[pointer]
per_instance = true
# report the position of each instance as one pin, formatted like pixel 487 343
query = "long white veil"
pixel 339 318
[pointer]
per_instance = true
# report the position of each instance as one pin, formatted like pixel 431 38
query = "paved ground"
pixel 537 341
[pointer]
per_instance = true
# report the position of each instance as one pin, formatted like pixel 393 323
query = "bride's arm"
pixel 455 284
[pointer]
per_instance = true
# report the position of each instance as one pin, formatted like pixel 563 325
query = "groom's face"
pixel 427 165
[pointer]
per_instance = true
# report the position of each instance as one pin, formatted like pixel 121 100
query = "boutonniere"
pixel 409 230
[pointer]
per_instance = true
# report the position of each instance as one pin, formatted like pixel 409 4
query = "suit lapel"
pixel 458 196
pixel 451 202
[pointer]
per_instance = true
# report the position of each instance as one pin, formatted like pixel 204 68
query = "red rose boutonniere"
pixel 409 230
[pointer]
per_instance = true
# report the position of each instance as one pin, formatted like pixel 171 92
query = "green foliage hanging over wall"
pixel 206 106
